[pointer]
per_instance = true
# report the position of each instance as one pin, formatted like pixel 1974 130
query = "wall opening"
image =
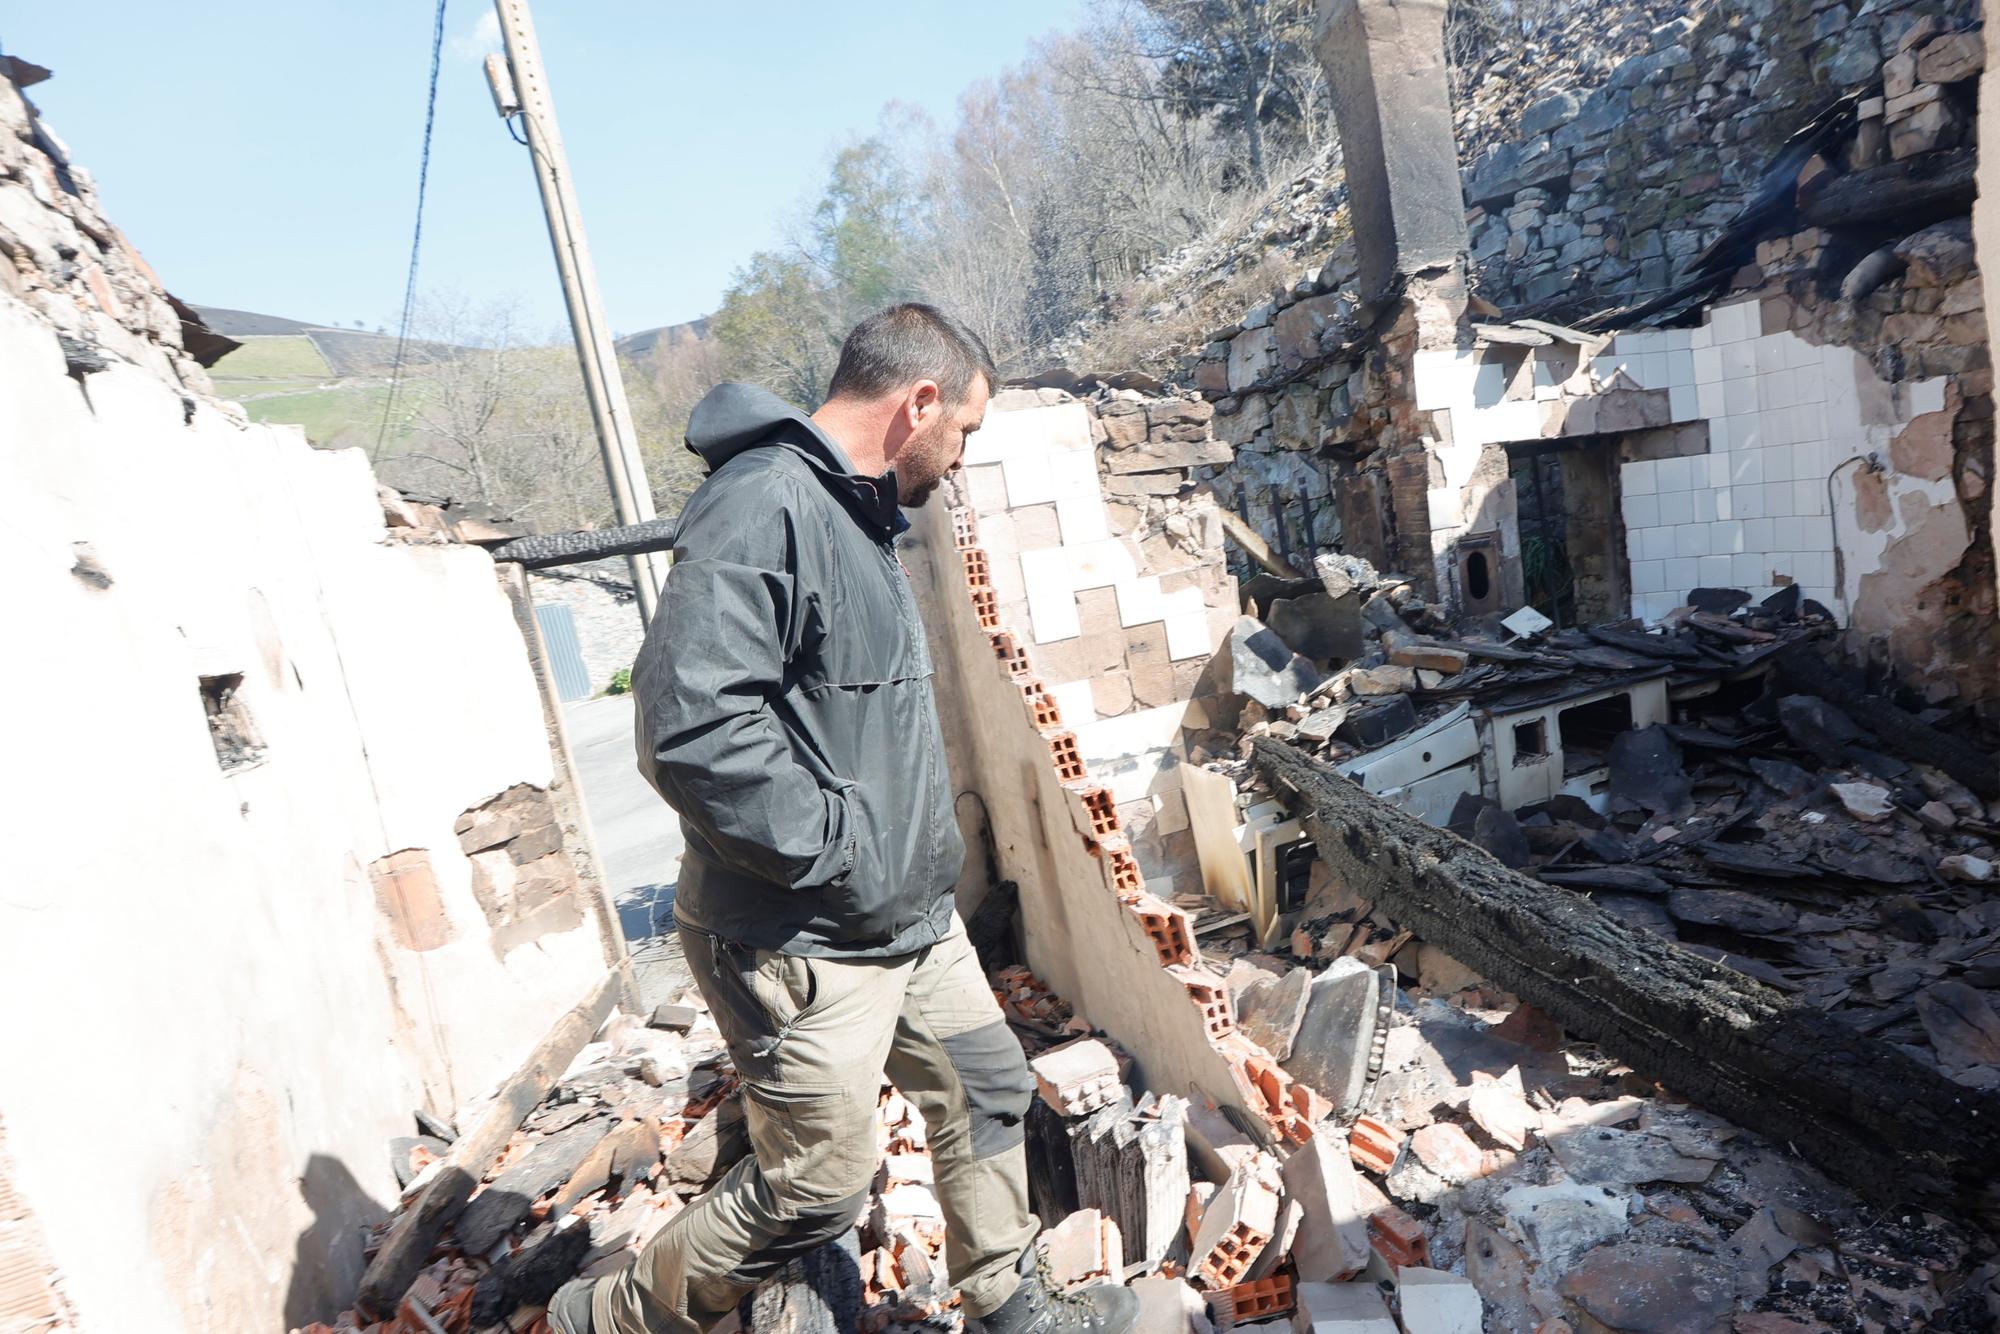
pixel 1478 574
pixel 1587 731
pixel 1531 741
pixel 238 745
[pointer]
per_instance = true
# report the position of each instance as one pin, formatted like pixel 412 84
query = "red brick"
pixel 1097 804
pixel 1126 879
pixel 1166 926
pixel 1258 1299
pixel 1008 651
pixel 1210 997
pixel 964 529
pixel 1068 759
pixel 1398 1238
pixel 1373 1145
pixel 1043 710
pixel 977 573
pixel 986 607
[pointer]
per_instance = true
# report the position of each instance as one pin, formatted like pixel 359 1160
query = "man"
pixel 785 711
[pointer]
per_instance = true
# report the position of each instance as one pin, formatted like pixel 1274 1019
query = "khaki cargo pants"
pixel 813 1040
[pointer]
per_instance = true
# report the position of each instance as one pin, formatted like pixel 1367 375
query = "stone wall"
pixel 604 610
pixel 1825 421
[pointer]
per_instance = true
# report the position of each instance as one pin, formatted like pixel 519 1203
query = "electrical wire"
pixel 416 234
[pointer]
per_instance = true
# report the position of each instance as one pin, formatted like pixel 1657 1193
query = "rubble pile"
pixel 1759 826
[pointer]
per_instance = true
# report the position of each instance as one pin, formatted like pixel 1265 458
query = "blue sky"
pixel 264 156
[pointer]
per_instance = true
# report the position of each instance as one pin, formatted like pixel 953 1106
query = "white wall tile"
pixel 1760 534
pixel 1648 576
pixel 1082 519
pixel 1718 469
pixel 1676 474
pixel 1046 571
pixel 1808 385
pixel 1682 574
pixel 1676 507
pixel 1072 474
pixel 1811 421
pixel 1187 636
pixel 1739 361
pixel 1739 396
pixel 1808 497
pixel 1691 539
pixel 1031 480
pixel 1656 543
pixel 1746 500
pixel 1771 353
pixel 1706 362
pixel 1641 511
pixel 1927 396
pixel 1639 479
pixel 1725 503
pixel 1038 430
pixel 1708 399
pixel 1100 564
pixel 1682 403
pixel 1778 503
pixel 1746 465
pixel 1140 601
pixel 1725 537
pixel 1747 570
pixel 1816 534
pixel 1076 702
pixel 1701 336
pixel 1779 461
pixel 1714 571
pixel 1704 505
pixel 1791 533
pixel 1680 367
pixel 986 487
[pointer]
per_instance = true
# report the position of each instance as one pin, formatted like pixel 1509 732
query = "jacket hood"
pixel 732 418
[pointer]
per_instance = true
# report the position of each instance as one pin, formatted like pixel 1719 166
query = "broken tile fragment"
pixel 1600 1155
pixel 1432 1301
pixel 1646 1289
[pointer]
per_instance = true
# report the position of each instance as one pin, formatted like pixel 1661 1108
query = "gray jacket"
pixel 784 699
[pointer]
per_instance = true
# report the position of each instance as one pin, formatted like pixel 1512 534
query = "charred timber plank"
pixel 1858 1108
pixel 1912 190
pixel 1802 669
pixel 543 550
pixel 407 1248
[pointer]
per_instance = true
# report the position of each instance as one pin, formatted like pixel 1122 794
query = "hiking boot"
pixel 569 1309
pixel 1038 1306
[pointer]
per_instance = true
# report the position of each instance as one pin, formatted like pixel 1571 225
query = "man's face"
pixel 936 449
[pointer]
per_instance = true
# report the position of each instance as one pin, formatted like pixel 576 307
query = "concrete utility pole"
pixel 520 85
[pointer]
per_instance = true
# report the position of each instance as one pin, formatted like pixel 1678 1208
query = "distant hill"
pixel 647 341
pixel 332 382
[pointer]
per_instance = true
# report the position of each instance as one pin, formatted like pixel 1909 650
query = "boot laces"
pixel 1060 1298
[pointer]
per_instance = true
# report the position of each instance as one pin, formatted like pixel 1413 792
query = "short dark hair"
pixel 896 347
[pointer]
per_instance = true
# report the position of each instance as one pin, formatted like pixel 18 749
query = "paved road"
pixel 638 838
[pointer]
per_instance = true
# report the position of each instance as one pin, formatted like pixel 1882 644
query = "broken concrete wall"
pixel 1051 806
pixel 243 938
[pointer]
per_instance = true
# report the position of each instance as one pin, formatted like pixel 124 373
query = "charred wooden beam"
pixel 1802 669
pixel 407 1248
pixel 1858 1108
pixel 1912 190
pixel 544 550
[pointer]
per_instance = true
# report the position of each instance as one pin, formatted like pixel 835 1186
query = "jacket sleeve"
pixel 735 608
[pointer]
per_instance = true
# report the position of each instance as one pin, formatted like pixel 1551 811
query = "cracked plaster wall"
pixel 220 1017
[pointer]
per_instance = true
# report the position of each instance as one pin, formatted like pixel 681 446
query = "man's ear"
pixel 924 401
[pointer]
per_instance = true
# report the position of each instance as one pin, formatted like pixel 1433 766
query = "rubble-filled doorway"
pixel 1572 541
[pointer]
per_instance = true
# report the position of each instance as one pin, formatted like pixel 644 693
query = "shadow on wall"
pixel 329 1263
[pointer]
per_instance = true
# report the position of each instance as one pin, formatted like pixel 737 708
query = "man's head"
pixel 912 383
